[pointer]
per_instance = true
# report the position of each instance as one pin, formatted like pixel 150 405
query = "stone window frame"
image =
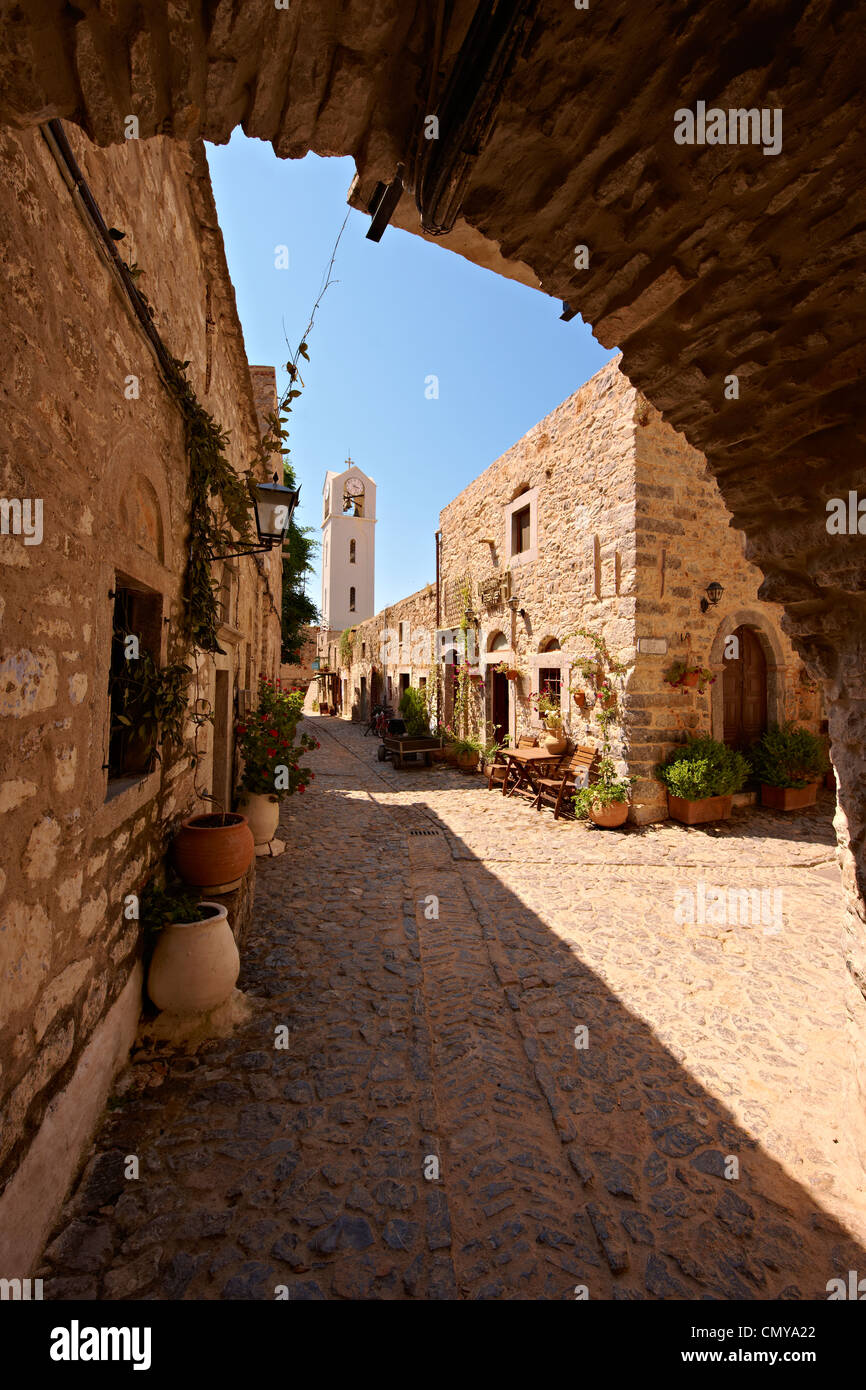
pixel 551 661
pixel 523 500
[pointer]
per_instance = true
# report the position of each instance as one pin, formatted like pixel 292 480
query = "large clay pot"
pixel 195 965
pixel 212 851
pixel 262 810
pixel 468 762
pixel 789 798
pixel 610 817
pixel 554 742
pixel 706 808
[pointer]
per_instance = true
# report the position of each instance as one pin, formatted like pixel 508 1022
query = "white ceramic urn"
pixel 195 965
pixel 262 811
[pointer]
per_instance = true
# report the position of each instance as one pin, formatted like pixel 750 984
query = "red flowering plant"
pixel 272 758
pixel 545 702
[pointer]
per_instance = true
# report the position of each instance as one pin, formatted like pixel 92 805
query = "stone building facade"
pixel 389 652
pixel 301 673
pixel 88 427
pixel 602 518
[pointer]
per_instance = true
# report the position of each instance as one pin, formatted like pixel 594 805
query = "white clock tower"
pixel 348 548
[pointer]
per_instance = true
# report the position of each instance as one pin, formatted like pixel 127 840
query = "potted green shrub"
pixel 605 803
pixel 413 708
pixel 789 763
pixel 465 751
pixel 701 779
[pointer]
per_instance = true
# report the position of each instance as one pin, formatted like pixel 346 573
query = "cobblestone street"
pixel 417 1042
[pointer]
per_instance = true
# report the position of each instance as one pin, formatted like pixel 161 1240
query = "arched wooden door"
pixel 745 691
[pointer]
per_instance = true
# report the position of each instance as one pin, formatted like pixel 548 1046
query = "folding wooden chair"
pixel 498 770
pixel 574 770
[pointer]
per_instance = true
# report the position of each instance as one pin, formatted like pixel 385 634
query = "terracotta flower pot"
pixel 690 678
pixel 195 965
pixel 211 851
pixel 554 741
pixel 467 762
pixel 789 798
pixel 262 811
pixel 580 699
pixel 698 812
pixel 610 817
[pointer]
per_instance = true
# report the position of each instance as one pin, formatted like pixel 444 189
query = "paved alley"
pixel 511 1072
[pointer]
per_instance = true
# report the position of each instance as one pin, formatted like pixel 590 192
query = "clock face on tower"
pixel 353 496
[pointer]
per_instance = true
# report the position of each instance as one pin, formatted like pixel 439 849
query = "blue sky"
pixel 403 310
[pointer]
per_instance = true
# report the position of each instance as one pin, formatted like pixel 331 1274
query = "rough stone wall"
pixel 631 529
pixel 300 673
pixel 111 469
pixel 579 462
pixel 380 654
pixel 684 541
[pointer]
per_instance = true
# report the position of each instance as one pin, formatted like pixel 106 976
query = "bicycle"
pixel 378 721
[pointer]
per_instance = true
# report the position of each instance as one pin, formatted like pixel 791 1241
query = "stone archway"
pixel 749 270
pixel 756 622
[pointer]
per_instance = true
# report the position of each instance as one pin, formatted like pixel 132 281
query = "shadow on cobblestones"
pixel 440 1125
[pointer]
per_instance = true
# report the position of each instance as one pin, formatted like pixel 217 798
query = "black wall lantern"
pixel 714 592
pixel 274 506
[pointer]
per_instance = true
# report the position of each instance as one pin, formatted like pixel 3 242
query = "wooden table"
pixel 521 761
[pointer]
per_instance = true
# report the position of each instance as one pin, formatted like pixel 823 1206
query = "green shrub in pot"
pixel 702 768
pixel 413 707
pixel 788 756
pixel 609 790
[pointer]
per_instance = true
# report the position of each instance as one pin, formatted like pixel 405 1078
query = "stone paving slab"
pixel 432 1130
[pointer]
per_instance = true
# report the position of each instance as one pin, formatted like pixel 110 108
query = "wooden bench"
pixel 573 767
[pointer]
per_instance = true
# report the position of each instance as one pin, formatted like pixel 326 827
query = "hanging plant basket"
pixel 683 677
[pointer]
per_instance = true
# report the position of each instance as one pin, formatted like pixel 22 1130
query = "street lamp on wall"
pixel 274 507
pixel 714 592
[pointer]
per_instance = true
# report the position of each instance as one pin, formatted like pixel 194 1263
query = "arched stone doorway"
pixel 744 689
pixel 499 693
pixel 755 696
